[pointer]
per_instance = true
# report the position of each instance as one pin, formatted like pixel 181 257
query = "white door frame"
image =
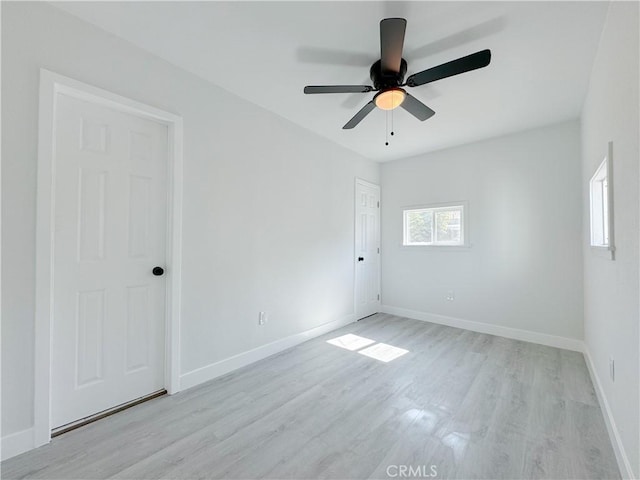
pixel 51 85
pixel 360 181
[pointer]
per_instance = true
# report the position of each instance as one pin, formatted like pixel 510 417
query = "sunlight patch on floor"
pixel 383 352
pixel 378 351
pixel 457 441
pixel 351 342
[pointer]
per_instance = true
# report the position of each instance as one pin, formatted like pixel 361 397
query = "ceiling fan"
pixel 387 75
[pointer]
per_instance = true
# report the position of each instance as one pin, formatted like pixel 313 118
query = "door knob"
pixel 157 271
pixel 361 259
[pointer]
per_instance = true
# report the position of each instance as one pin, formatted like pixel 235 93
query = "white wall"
pixel 268 206
pixel 524 267
pixel 611 289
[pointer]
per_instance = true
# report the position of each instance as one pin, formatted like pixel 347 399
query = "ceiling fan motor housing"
pixel 383 80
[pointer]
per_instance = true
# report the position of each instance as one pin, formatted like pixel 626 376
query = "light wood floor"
pixel 471 405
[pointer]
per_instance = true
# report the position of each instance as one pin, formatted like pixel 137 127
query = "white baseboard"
pixel 23 441
pixel 16 443
pixel 214 370
pixel 498 330
pixel 544 339
pixel 621 456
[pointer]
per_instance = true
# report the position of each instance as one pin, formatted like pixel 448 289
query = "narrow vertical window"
pixel 599 193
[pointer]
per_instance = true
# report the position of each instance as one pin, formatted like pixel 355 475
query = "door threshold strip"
pixel 105 413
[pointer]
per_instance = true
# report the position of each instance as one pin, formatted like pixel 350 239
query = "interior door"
pixel 367 249
pixel 108 333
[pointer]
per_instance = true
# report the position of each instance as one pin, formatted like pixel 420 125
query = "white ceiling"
pixel 266 52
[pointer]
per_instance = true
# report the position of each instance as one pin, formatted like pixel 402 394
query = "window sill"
pixel 439 248
pixel 604 252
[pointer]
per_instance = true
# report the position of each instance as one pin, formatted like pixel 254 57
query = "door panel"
pixel 89 339
pixel 92 204
pixel 138 319
pixel 110 231
pixel 367 249
pixel 139 208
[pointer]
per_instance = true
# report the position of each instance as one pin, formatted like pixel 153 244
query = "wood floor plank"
pixel 465 404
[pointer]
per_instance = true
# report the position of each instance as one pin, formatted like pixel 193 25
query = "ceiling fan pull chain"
pixel 386 128
pixel 392 122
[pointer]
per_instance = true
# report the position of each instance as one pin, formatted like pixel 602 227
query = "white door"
pixel 108 337
pixel 367 249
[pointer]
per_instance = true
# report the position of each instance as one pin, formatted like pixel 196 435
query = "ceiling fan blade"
pixel 338 89
pixel 416 108
pixel 391 43
pixel 357 118
pixel 353 100
pixel 449 69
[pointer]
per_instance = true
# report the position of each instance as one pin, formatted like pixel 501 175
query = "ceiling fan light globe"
pixel 390 99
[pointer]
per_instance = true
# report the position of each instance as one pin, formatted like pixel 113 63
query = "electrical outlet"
pixel 262 318
pixel 450 296
pixel 612 368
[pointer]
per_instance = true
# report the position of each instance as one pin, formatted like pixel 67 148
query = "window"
pixel 600 207
pixel 435 226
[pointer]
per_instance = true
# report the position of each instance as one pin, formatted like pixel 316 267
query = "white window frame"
pixel 464 224
pixel 601 207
